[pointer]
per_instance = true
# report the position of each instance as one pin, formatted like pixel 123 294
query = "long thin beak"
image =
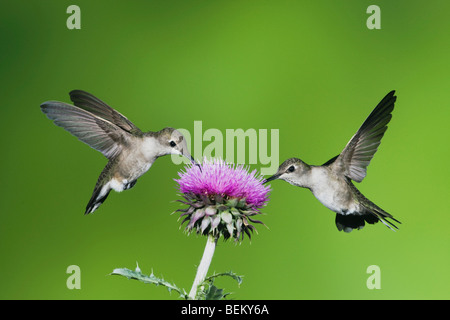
pixel 196 163
pixel 187 155
pixel 191 158
pixel 274 177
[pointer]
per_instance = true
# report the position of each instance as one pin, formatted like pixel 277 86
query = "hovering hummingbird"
pixel 130 151
pixel 331 182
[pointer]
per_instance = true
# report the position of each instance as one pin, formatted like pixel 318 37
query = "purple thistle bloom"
pixel 222 198
pixel 216 177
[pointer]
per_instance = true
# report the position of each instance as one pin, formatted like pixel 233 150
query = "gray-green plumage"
pixel 331 182
pixel 130 151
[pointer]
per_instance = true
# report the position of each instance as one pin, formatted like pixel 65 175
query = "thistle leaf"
pixel 228 274
pixel 211 292
pixel 138 275
pixel 214 293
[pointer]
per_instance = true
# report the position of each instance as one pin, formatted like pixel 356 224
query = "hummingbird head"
pixel 290 171
pixel 173 142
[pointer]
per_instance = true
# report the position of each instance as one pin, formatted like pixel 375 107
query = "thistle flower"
pixel 222 198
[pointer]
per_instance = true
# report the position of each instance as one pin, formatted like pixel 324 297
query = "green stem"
pixel 202 269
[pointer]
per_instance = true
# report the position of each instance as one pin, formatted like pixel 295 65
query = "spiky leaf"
pixel 214 293
pixel 138 275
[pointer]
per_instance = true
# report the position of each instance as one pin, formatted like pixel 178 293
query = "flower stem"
pixel 202 269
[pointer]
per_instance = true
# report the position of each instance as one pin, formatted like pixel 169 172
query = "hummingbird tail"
pixel 383 217
pixel 357 221
pixel 98 197
pixel 369 212
pixel 348 222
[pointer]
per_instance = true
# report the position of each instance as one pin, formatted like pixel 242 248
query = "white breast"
pixel 331 191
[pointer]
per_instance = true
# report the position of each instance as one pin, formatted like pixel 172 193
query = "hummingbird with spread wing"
pixel 130 152
pixel 331 183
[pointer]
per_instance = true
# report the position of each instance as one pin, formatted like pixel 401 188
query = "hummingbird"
pixel 130 152
pixel 331 183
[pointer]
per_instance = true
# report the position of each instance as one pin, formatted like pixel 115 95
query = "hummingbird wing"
pixel 97 132
pixel 356 156
pixel 92 104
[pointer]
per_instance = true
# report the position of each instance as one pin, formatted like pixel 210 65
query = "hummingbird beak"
pixel 195 163
pixel 274 177
pixel 198 165
pixel 191 158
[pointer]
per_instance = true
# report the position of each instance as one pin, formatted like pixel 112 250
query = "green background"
pixel 311 69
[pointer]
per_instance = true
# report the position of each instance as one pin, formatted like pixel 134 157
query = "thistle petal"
pixel 230 228
pixel 242 203
pixel 232 202
pixel 248 233
pixel 222 180
pixel 235 212
pixel 256 221
pixel 199 213
pixel 238 227
pixel 198 204
pixel 226 217
pixel 205 223
pixel 218 198
pixel 189 211
pixel 210 211
pixel 222 208
pixel 215 222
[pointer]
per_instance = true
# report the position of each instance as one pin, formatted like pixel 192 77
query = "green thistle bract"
pixel 222 199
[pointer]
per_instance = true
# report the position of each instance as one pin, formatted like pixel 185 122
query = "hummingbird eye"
pixel 172 144
pixel 291 169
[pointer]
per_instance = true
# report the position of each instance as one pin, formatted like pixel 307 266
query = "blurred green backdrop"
pixel 311 69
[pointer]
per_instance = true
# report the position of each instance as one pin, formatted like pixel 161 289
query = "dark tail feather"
pixel 349 222
pixel 96 200
pixel 383 216
pixel 357 221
